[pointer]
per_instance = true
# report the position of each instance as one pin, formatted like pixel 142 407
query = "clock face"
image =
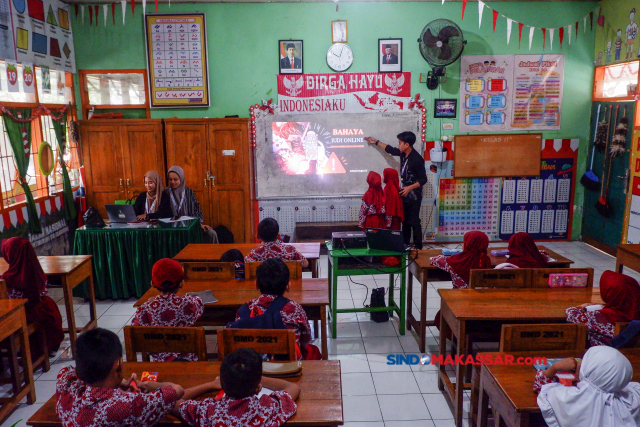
pixel 339 57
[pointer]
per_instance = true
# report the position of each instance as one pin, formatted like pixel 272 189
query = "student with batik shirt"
pixel 393 207
pixel 473 256
pixel 169 309
pixel 621 296
pixel 523 252
pixel 271 248
pixel 241 380
pixel 94 393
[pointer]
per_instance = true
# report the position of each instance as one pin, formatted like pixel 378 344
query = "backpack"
pixel 224 234
pixel 270 319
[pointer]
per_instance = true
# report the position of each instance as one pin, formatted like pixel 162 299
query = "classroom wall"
pixel 615 15
pixel 243 47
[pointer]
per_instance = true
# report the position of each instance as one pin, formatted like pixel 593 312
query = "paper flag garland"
pixel 531 29
pixel 157 5
pixel 90 16
pixel 569 32
pixel 96 11
pixel 124 9
pixel 509 22
pixel 519 33
pixel 133 7
pixel 144 7
pixel 113 13
pixel 544 37
pixel 584 24
pixel 495 18
pixel 105 8
pixel 560 35
pixel 76 9
pixel 576 30
pixel 464 5
pixel 82 11
pixel 551 31
pixel 480 10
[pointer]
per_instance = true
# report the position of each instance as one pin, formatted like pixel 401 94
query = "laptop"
pixel 121 213
pixel 385 240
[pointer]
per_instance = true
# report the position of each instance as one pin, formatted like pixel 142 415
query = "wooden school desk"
pixel 311 294
pixel 424 272
pixel 203 252
pixel 319 404
pixel 13 323
pixel 473 310
pixel 509 388
pixel 627 256
pixel 72 270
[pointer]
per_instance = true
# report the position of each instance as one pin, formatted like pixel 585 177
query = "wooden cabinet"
pixel 216 157
pixel 116 155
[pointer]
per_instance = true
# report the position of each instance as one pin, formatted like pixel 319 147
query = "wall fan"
pixel 441 43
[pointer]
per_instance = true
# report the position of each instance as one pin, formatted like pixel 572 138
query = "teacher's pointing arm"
pixel 390 150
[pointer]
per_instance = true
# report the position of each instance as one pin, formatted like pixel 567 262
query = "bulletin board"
pixel 177 60
pixel 485 156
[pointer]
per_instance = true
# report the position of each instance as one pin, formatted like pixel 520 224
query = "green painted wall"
pixel 616 14
pixel 249 33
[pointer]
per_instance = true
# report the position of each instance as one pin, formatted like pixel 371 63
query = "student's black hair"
pixel 240 373
pixel 268 230
pixel 96 352
pixel 232 255
pixel 272 276
pixel 407 137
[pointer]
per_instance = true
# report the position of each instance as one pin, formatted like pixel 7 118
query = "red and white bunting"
pixel 509 22
pixel 105 9
pixel 551 31
pixel 480 10
pixel 124 9
pixel 531 30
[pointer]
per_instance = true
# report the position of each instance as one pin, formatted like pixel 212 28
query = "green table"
pixel 336 270
pixel 123 256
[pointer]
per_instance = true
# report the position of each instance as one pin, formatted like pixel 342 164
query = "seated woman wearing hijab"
pixel 473 256
pixel 25 279
pixel 604 395
pixel 372 207
pixel 184 203
pixel 621 296
pixel 394 209
pixel 151 204
pixel 523 252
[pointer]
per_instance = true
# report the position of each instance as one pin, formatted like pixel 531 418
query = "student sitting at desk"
pixel 393 207
pixel 372 209
pixel 94 393
pixel 241 380
pixel 621 296
pixel 152 204
pixel 184 202
pixel 25 279
pixel 604 396
pixel 523 252
pixel 234 256
pixel 271 248
pixel 473 256
pixel 169 309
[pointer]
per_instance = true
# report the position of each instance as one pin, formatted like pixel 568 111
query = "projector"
pixel 348 240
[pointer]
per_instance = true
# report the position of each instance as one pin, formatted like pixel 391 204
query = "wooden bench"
pixel 209 271
pixel 295 269
pixel 164 339
pixel 263 341
pixel 521 277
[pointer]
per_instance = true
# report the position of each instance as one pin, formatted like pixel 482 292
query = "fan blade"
pixel 445 52
pixel 447 32
pixel 430 40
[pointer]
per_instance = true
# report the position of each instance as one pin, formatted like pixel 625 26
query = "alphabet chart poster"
pixel 177 60
pixel 542 206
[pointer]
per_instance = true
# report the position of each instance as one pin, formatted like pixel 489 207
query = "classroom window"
pixel 616 82
pixel 70 157
pixel 113 90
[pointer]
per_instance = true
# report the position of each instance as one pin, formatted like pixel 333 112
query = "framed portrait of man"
pixel 389 55
pixel 338 31
pixel 290 52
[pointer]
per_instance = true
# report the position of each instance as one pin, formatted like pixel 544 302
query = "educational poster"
pixel 542 206
pixel 177 60
pixel 537 98
pixel 42 33
pixel 7 45
pixel 485 93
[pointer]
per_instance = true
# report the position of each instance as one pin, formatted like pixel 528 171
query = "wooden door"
pixel 143 151
pixel 186 146
pixel 231 194
pixel 102 160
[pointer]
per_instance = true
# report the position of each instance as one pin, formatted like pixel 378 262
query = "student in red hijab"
pixel 372 210
pixel 621 296
pixel 394 209
pixel 473 256
pixel 25 279
pixel 524 253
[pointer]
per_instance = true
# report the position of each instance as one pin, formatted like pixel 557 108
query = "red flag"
pixel 133 6
pixel 495 18
pixel 156 6
pixel 591 19
pixel 544 37
pixel 113 13
pixel 576 30
pixel 561 35
pixel 91 15
pixel 96 6
pixel 464 4
pixel 76 7
pixel 519 34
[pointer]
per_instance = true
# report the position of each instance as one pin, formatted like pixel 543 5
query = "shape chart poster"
pixel 42 33
pixel 177 60
pixel 485 92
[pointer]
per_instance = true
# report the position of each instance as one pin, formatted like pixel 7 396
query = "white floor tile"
pixel 427 380
pixel 21 414
pixel 352 363
pixel 373 329
pixel 52 375
pixel 403 407
pixel 415 423
pixel 44 390
pixel 438 407
pixel 364 424
pixel 378 363
pixel 395 383
pixel 114 322
pixel 361 408
pixel 347 329
pixel 345 346
pixel 382 345
pixel 358 384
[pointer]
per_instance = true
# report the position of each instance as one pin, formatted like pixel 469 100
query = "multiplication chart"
pixel 467 205
pixel 177 60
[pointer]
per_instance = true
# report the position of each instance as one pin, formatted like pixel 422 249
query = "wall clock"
pixel 339 57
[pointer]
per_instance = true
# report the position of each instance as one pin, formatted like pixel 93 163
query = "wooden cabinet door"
pixel 143 151
pixel 229 153
pixel 102 160
pixel 186 146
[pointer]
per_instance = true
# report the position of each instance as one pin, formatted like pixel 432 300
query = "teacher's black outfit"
pixel 411 171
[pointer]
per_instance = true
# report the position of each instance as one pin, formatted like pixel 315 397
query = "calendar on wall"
pixel 542 206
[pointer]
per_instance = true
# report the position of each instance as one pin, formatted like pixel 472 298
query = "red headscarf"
pixel 393 202
pixel 524 253
pixel 473 255
pixel 24 273
pixel 621 296
pixel 373 200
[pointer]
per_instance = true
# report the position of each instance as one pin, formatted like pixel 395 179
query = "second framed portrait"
pixel 389 55
pixel 290 56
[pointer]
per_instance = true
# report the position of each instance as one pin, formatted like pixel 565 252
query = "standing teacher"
pixel 414 176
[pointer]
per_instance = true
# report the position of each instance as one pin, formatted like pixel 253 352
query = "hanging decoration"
pixel 39 111
pixel 531 29
pixel 156 6
pixel 133 7
pixel 520 34
pixel 82 11
pixel 105 8
pixel 509 22
pixel 76 8
pixel 113 13
pixel 144 7
pixel 124 9
pixel 268 106
pixel 90 16
pixel 495 19
pixel 619 142
pixel 560 35
pixel 544 37
pixel 95 8
pixel 464 6
pixel 480 10
pixel 416 103
pixel 551 31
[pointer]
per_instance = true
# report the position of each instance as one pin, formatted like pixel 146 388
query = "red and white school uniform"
pixel 274 249
pixel 473 255
pixel 170 310
pixel 541 379
pixel 81 405
pixel 599 329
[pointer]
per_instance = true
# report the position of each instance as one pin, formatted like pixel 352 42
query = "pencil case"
pixel 500 252
pixel 568 280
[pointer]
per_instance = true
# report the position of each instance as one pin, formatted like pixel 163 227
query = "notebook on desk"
pixel 206 296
